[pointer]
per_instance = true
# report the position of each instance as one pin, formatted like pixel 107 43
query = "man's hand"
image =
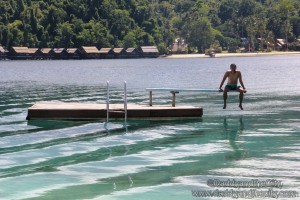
pixel 220 90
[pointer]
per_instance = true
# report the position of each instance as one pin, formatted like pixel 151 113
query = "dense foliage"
pixel 132 23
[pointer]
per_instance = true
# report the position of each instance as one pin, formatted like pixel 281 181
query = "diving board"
pixel 181 90
pixel 175 91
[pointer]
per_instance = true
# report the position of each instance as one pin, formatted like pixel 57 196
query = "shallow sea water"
pixel 151 159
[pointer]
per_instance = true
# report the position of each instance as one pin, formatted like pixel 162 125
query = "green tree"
pixel 197 28
pixel 286 29
pixel 270 40
pixel 53 17
pixel 94 33
pixel 143 38
pixel 157 22
pixel 295 21
pixel 20 7
pixel 15 36
pixel 228 9
pixel 201 34
pixel 262 27
pixel 65 35
pixel 252 30
pixel 286 9
pixel 247 8
pixel 130 40
pixel 120 23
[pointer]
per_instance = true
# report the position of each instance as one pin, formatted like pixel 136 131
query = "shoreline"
pixel 222 55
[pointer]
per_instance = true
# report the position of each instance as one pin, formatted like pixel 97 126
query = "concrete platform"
pixel 85 111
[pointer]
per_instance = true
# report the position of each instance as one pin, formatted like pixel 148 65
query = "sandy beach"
pixel 220 55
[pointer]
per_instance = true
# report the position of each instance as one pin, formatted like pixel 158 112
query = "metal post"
pixel 174 97
pixel 107 102
pixel 125 101
pixel 150 98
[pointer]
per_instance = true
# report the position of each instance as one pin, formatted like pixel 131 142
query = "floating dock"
pixel 86 111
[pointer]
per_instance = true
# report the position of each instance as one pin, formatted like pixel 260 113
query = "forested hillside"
pixel 132 23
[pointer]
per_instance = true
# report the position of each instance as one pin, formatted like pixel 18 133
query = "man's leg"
pixel 241 97
pixel 225 96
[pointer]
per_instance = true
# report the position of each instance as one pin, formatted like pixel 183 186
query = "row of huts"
pixel 84 52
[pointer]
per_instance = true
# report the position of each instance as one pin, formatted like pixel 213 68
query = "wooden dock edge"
pixel 86 111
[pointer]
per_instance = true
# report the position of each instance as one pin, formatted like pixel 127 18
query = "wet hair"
pixel 233 65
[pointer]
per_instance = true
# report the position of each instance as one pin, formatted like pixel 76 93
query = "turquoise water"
pixel 150 159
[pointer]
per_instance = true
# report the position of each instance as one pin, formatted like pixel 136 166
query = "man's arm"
pixel 224 78
pixel 241 80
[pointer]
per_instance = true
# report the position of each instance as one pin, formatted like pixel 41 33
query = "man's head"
pixel 233 67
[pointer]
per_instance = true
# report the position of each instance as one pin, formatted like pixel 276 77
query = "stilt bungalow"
pixel 32 52
pixel 89 52
pixel 280 44
pixel 149 51
pixel 179 47
pixel 106 53
pixel 74 53
pixel 19 53
pixel 120 53
pixel 133 53
pixel 3 53
pixel 59 53
pixel 43 54
pixel 84 52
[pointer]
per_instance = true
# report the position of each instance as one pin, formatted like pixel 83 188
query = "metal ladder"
pixel 125 104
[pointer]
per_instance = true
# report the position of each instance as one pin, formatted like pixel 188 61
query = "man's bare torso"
pixel 233 77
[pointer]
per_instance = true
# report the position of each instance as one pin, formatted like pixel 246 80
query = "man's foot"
pixel 224 107
pixel 241 107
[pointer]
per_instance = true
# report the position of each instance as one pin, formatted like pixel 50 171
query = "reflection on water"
pixel 146 159
pixel 233 135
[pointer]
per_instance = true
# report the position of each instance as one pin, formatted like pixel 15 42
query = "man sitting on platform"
pixel 232 84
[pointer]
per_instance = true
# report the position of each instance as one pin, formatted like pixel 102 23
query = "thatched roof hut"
pixel 20 53
pixel 106 53
pixel 120 53
pixel 90 52
pixel 43 54
pixel 74 53
pixel 133 53
pixel 3 53
pixel 59 53
pixel 149 51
